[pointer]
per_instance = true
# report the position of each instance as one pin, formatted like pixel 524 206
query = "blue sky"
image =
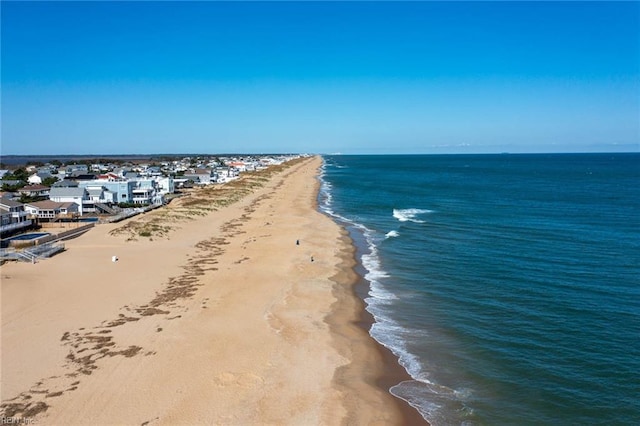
pixel 320 77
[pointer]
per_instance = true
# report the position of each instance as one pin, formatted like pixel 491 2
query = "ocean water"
pixel 507 285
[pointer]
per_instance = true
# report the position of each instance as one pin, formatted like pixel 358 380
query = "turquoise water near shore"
pixel 507 285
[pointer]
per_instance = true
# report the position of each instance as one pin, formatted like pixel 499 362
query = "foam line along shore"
pixel 492 277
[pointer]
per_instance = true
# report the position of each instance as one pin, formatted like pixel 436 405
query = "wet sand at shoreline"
pixel 212 315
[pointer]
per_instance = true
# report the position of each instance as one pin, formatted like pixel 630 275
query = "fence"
pixel 130 212
pixel 66 235
pixel 32 254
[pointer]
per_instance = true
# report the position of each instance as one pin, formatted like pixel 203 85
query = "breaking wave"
pixel 409 215
pixel 392 234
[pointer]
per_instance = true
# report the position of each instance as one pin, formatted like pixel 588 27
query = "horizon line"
pixel 224 154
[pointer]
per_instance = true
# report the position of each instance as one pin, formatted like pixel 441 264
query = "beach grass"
pixel 198 202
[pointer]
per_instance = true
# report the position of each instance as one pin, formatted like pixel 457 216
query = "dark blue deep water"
pixel 508 285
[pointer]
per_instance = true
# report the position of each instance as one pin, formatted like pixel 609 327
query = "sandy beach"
pixel 212 314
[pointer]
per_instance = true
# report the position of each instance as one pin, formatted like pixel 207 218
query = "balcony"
pixel 14 226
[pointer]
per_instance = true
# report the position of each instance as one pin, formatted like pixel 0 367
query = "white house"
pixel 165 185
pixel 240 166
pixel 48 210
pixel 37 178
pixel 76 195
pixel 201 176
pixel 100 194
pixel 226 174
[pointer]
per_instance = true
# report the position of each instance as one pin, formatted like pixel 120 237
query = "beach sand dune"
pixel 212 314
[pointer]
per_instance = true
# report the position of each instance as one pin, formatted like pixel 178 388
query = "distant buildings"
pixel 201 176
pixel 102 188
pixel 34 191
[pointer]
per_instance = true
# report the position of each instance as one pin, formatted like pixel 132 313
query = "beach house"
pixel 201 176
pixel 143 195
pixel 100 194
pixel 100 199
pixel 147 191
pixel 165 185
pixel 70 194
pixel 49 211
pixel 121 189
pixel 13 216
pixel 226 174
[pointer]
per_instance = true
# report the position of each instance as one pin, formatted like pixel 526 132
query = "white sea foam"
pixel 325 198
pixel 386 331
pixel 325 192
pixel 409 215
pixel 392 335
pixel 435 403
pixel 375 273
pixel 392 234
